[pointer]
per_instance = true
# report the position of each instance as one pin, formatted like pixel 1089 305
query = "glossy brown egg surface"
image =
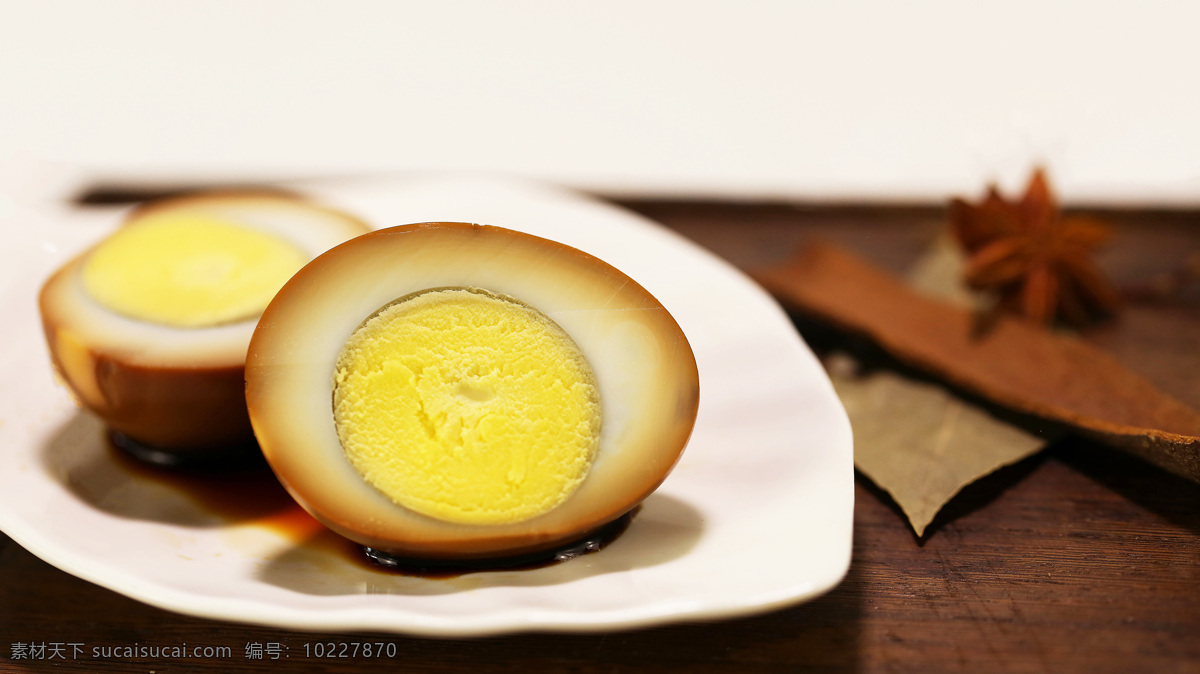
pixel 641 362
pixel 179 390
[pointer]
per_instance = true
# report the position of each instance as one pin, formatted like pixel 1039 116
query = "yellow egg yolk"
pixel 467 406
pixel 189 270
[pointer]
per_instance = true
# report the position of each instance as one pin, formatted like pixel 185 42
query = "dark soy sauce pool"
pixel 248 492
pixel 424 568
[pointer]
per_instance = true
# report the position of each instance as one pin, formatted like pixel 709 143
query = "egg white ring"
pixel 643 365
pixel 68 305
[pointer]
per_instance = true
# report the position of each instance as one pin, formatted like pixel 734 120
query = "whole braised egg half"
pixel 459 392
pixel 149 328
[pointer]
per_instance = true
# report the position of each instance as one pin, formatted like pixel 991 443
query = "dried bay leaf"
pixel 920 443
pixel 915 440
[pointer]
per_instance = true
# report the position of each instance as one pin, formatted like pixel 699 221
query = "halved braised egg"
pixel 463 392
pixel 149 328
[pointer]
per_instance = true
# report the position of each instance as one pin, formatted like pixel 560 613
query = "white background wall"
pixel 835 100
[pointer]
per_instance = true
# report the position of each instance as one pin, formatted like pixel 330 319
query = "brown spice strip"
pixel 1016 364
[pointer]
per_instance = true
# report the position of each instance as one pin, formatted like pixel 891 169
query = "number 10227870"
pixel 349 649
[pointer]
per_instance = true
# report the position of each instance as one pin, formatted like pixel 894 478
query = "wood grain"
pixel 1079 559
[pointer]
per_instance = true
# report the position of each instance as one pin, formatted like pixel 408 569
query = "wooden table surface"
pixel 1078 559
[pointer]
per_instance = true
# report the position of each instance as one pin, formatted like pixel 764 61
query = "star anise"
pixel 1033 259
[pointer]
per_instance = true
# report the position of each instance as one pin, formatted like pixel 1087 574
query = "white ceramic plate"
pixel 756 516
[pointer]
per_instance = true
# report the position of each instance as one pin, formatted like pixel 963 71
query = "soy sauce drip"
pixel 432 568
pixel 238 485
pixel 243 456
